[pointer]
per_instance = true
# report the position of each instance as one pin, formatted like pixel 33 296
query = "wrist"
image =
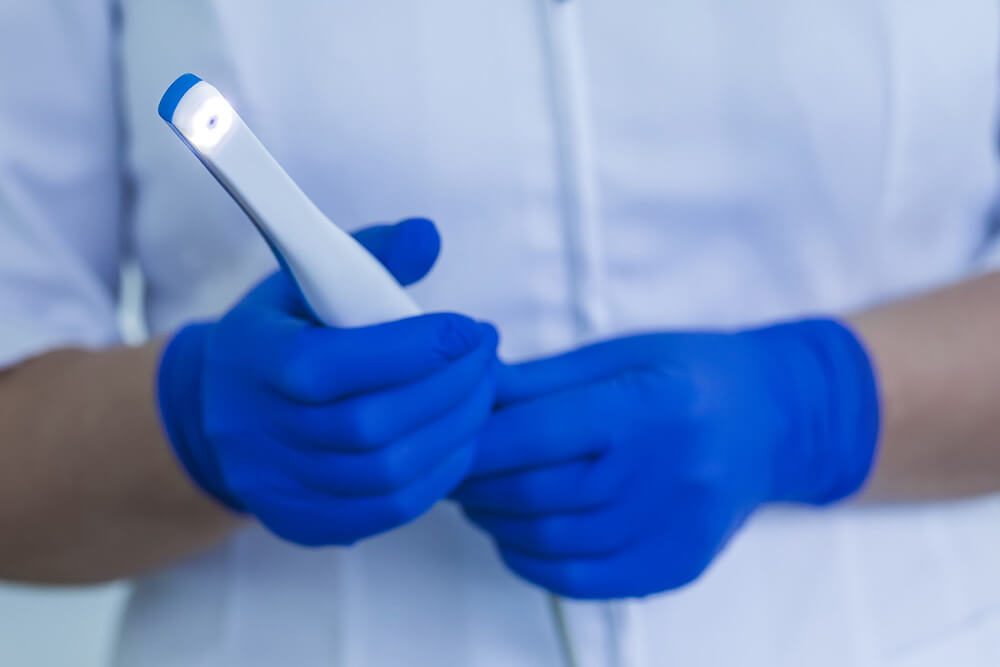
pixel 825 386
pixel 178 395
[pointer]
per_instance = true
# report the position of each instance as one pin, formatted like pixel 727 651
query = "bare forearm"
pixel 89 489
pixel 938 365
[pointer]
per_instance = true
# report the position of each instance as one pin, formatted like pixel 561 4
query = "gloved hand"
pixel 622 469
pixel 330 435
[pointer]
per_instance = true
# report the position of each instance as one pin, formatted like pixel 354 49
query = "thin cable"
pixel 563 51
pixel 562 632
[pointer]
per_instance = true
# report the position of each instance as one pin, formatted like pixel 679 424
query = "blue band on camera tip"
pixel 174 93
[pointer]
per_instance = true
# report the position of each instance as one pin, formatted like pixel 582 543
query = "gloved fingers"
pixel 576 578
pixel 648 504
pixel 575 486
pixel 408 249
pixel 313 519
pixel 580 422
pixel 392 467
pixel 601 532
pixel 372 421
pixel 416 455
pixel 634 572
pixel 414 500
pixel 553 429
pixel 593 363
pixel 328 364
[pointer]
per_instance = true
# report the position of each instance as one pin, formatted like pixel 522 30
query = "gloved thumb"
pixel 408 248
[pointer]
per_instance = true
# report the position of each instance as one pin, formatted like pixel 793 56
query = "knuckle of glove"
pixel 525 492
pixel 693 390
pixel 458 335
pixel 545 536
pixel 644 380
pixel 644 390
pixel 365 426
pixel 388 472
pixel 298 374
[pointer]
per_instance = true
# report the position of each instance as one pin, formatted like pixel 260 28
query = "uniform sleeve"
pixel 61 189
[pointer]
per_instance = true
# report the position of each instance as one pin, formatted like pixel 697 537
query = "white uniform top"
pixel 595 167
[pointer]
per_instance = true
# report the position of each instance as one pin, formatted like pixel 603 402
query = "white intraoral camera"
pixel 342 282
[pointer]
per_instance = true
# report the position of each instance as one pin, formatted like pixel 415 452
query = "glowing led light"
pixel 210 122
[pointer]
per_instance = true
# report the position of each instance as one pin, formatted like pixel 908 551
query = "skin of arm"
pixel 938 366
pixel 89 489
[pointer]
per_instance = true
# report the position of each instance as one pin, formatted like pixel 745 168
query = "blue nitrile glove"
pixel 622 469
pixel 330 435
